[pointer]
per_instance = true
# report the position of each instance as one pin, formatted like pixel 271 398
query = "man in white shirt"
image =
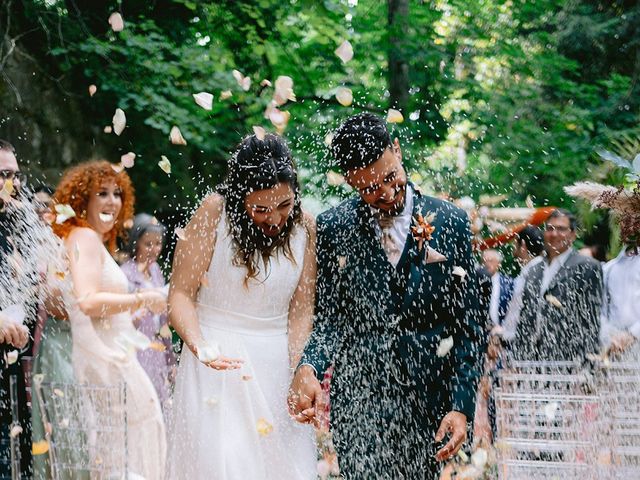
pixel 561 300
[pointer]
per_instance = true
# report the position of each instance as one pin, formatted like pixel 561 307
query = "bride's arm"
pixel 190 264
pixel 85 253
pixel 302 303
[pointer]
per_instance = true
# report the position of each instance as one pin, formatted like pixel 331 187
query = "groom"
pixel 395 315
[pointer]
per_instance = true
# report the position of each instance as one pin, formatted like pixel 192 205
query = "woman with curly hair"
pixel 94 201
pixel 241 298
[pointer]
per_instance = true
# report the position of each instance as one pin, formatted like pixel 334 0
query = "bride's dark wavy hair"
pixel 258 165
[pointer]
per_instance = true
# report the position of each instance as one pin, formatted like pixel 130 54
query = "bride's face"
pixel 271 208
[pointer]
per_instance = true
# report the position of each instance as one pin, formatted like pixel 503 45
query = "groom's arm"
pixel 469 338
pixel 320 348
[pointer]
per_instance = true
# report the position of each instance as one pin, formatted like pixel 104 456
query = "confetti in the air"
pixel 128 159
pixel 345 51
pixel 119 121
pixel 176 136
pixel 444 347
pixel 344 96
pixel 394 116
pixel 165 165
pixel 259 132
pixel 204 99
pixel 63 213
pixel 116 22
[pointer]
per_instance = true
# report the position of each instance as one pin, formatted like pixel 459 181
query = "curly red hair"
pixel 77 185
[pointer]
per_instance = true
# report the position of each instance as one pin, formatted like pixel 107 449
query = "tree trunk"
pixel 398 66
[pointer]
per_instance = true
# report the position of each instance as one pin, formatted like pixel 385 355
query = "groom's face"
pixel 383 183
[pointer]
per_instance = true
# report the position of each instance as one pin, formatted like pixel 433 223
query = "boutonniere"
pixel 421 230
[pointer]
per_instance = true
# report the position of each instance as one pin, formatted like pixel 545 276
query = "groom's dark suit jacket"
pixel 380 328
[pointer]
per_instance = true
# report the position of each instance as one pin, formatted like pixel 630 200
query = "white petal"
pixel 444 347
pixel 394 116
pixel 116 22
pixel 92 90
pixel 279 118
pixel 259 132
pixel 550 410
pixel 459 271
pixel 12 357
pixel 553 300
pixel 345 51
pixel 127 160
pixel 479 458
pixel 328 138
pixel 237 75
pixel 344 96
pixel 63 213
pixel 204 99
pixel 119 121
pixel 246 84
pixel 208 353
pixel 176 136
pixel 165 165
pixel 284 90
pixel 180 233
pixel 108 129
pixel 16 429
pixel 225 94
pixel 335 179
pixel 265 83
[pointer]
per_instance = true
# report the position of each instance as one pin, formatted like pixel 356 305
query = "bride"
pixel 241 298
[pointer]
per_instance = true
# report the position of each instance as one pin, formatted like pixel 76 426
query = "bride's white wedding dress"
pixel 234 425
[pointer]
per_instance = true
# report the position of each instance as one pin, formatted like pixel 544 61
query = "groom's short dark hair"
pixel 360 141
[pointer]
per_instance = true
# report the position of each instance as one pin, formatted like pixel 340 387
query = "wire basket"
pixel 551 423
pixel 86 428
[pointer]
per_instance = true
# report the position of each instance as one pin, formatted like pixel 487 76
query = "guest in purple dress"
pixel 145 244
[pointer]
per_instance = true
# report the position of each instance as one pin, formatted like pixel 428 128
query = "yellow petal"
pixel 264 428
pixel 119 121
pixel 116 22
pixel 165 165
pixel 92 90
pixel 157 346
pixel 127 160
pixel 204 99
pixel 344 96
pixel 394 116
pixel 225 94
pixel 345 51
pixel 259 132
pixel 39 448
pixel 7 191
pixel 176 136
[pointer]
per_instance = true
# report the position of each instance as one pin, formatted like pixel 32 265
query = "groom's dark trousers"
pixel 380 327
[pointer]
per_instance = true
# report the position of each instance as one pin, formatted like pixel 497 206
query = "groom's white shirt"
pixel 401 223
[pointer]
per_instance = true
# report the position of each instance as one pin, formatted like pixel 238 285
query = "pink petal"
pixel 92 90
pixel 108 129
pixel 127 160
pixel 116 22
pixel 345 51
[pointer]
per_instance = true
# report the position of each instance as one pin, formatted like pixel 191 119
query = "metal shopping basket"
pixel 551 423
pixel 86 430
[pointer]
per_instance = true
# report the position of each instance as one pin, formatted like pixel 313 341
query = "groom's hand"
pixel 306 400
pixel 455 424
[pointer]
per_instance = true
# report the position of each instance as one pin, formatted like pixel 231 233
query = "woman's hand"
pixel 153 300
